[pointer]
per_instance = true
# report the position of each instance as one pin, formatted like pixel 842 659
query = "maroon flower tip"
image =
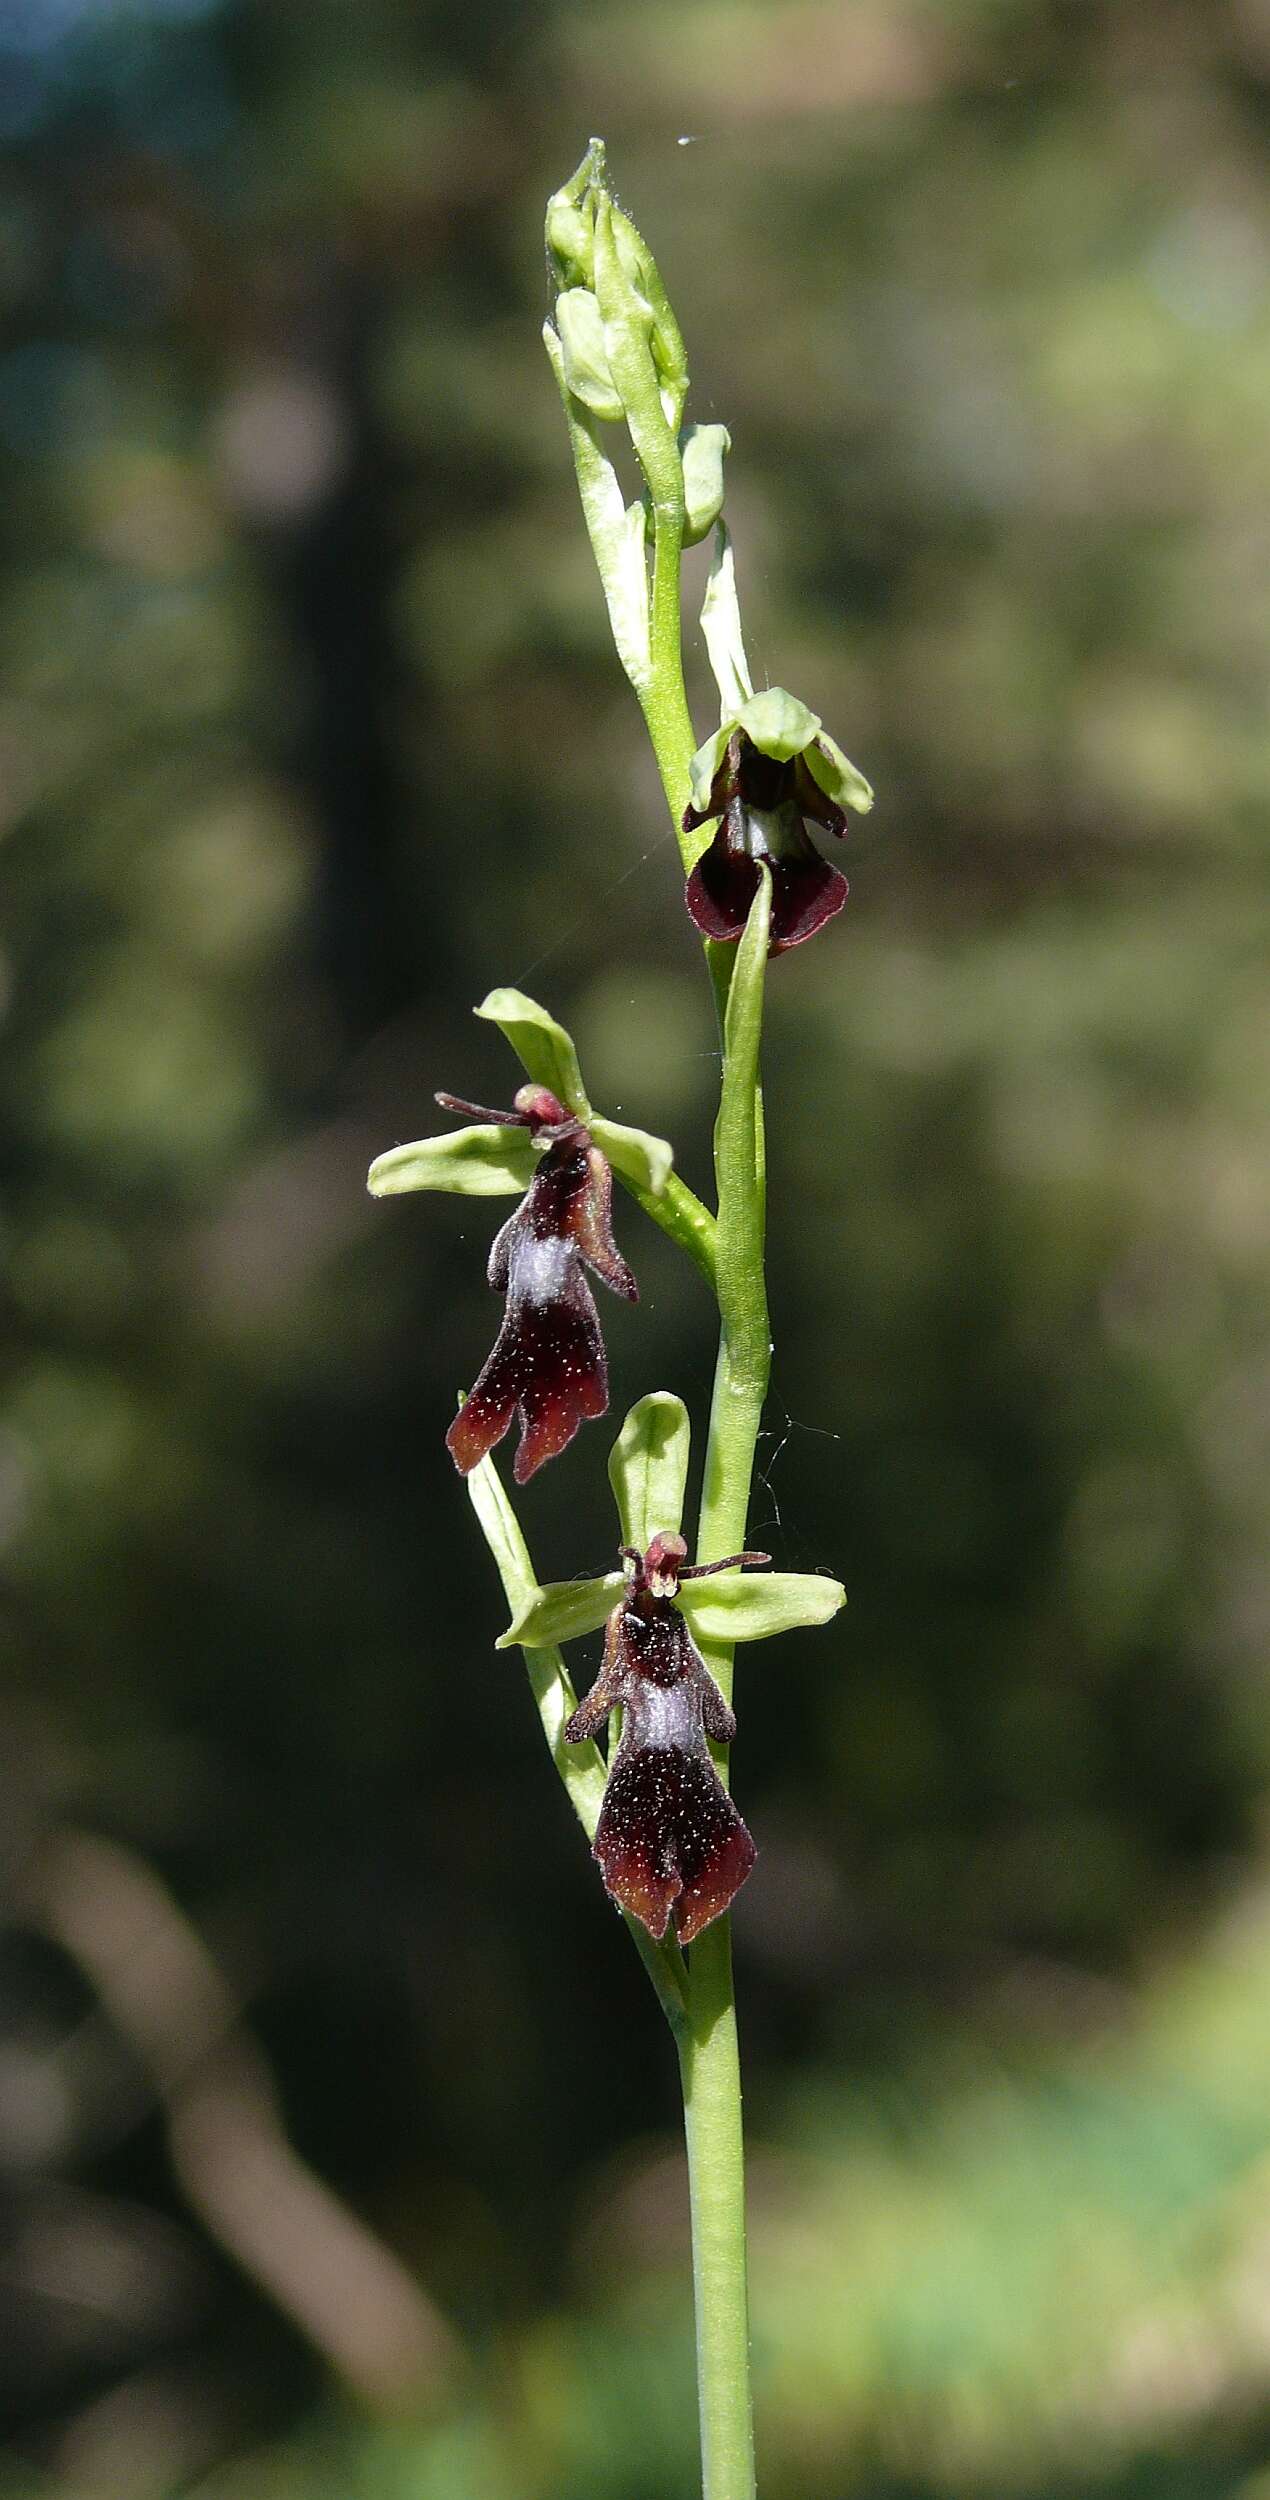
pixel 806 892
pixel 670 1839
pixel 548 1361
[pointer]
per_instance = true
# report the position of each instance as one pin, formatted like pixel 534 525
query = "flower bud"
pixel 704 449
pixel 570 242
pixel 586 364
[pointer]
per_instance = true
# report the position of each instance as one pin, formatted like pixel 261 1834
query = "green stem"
pixel 709 2055
pixel 710 2073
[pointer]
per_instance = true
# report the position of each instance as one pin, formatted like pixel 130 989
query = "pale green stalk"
pixel 709 2058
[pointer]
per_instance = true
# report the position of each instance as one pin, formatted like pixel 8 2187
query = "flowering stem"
pixel 649 642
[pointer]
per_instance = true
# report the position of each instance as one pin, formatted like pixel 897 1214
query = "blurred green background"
pixel 338 2134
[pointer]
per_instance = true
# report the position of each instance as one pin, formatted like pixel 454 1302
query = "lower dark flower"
pixel 669 1839
pixel 762 802
pixel 548 1359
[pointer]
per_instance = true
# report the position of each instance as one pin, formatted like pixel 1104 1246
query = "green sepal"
pixel 703 449
pixel 586 364
pixel 547 1053
pixel 563 1610
pixel 648 1468
pixel 774 721
pixel 642 1159
pixel 484 1162
pixel 837 777
pixel 752 1605
pixel 705 765
pixel 777 723
pixel 543 1047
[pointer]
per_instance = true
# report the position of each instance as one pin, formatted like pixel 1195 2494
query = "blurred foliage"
pixel 310 732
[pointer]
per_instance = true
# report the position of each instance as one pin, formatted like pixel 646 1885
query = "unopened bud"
pixel 570 242
pixel 704 449
pixel 586 364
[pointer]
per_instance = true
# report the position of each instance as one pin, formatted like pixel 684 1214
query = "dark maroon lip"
pixel 763 804
pixel 670 1843
pixel 547 1364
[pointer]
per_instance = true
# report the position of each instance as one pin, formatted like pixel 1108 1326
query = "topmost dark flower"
pixel 548 1359
pixel 763 774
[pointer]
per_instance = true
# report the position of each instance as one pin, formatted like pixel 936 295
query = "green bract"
pixel 780 726
pixel 721 627
pixel 483 1162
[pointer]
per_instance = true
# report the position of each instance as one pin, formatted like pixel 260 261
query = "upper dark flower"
pixel 764 775
pixel 669 1839
pixel 548 1359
